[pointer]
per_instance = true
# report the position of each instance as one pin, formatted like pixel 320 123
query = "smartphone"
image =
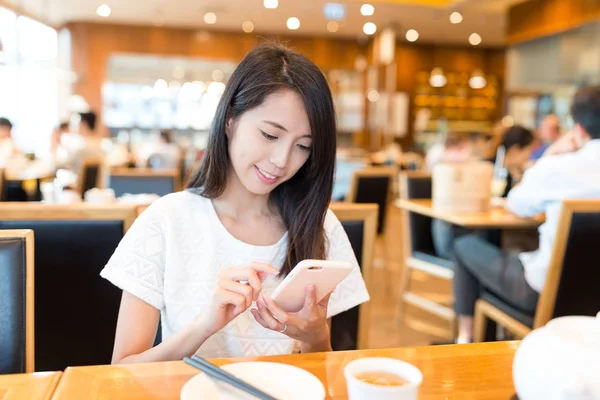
pixel 324 274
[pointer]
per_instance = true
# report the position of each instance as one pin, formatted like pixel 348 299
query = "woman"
pixel 199 259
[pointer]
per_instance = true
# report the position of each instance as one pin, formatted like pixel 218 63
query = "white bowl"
pixel 358 389
pixel 282 381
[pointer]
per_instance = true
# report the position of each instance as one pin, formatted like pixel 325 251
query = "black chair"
pixel 374 186
pixel 571 280
pixel 420 255
pixel 349 329
pixel 90 175
pixel 16 302
pixel 138 181
pixel 76 310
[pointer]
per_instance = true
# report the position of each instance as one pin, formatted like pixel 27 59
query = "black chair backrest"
pixel 91 174
pixel 577 292
pixel 419 187
pixel 13 274
pixel 344 326
pixel 374 189
pixel 160 185
pixel 76 310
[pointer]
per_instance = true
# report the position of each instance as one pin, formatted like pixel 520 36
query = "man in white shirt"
pixel 569 169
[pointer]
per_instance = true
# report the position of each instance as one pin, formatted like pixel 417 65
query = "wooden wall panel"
pixel 93 44
pixel 534 19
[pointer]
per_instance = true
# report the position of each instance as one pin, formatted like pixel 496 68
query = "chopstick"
pixel 222 375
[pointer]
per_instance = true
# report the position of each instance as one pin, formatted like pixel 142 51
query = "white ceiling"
pixel 486 17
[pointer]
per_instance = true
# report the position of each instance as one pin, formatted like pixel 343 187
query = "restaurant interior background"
pixel 401 71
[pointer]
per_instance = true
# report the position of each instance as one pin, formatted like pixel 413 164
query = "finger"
pixel 325 301
pixel 271 322
pixel 225 298
pixel 244 275
pixel 258 317
pixel 239 288
pixel 311 297
pixel 264 270
pixel 275 310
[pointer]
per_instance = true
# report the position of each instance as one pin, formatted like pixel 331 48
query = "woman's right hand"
pixel 236 289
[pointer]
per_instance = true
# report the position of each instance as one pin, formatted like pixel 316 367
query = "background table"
pixel 477 371
pixel 496 217
pixel 38 386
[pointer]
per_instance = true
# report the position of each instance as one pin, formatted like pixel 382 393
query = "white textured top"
pixel 172 254
pixel 544 186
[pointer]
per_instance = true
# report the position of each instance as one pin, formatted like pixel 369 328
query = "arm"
pixel 537 187
pixel 136 331
pixel 321 346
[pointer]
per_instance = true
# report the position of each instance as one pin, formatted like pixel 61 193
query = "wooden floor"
pixel 386 330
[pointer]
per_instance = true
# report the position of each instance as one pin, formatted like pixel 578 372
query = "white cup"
pixel 358 390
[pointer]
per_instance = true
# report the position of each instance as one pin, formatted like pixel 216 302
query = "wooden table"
pixel 497 217
pixel 38 386
pixel 478 371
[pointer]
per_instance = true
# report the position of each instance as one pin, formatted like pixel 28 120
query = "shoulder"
pixel 332 222
pixel 176 204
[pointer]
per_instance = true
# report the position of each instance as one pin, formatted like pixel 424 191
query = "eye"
pixel 267 136
pixel 304 148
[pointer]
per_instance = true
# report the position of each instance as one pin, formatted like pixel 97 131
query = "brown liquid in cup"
pixel 381 378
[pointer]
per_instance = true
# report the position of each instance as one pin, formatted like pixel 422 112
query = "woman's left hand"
pixel 309 325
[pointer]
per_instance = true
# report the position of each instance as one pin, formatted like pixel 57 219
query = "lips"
pixel 265 176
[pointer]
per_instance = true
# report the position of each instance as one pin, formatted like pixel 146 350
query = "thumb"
pixel 311 297
pixel 325 302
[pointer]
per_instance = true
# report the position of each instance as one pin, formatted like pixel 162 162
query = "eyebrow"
pixel 279 126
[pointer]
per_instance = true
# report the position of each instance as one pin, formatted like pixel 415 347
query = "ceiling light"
pixel 373 96
pixel 456 17
pixel 477 80
pixel 333 26
pixel 437 78
pixel 475 39
pixel 293 23
pixel 367 10
pixel 271 3
pixel 218 75
pixel 412 35
pixel 247 26
pixel 369 28
pixel 210 18
pixel 104 10
pixel 334 11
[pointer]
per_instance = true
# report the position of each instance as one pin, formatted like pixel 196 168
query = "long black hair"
pixel 302 201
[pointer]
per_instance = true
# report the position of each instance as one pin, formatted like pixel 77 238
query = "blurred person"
pixel 569 169
pixel 8 149
pixel 88 145
pixel 548 133
pixel 455 148
pixel 161 154
pixel 517 142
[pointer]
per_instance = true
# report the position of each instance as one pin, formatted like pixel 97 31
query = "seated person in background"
pixel 7 146
pixel 569 169
pixel 162 154
pixel 548 133
pixel 517 142
pixel 455 148
pixel 90 146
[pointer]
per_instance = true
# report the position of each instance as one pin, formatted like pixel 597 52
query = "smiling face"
pixel 270 143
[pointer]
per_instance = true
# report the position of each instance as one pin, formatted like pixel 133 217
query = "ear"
pixel 229 128
pixel 581 136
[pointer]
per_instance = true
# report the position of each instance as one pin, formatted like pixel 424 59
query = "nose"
pixel 280 155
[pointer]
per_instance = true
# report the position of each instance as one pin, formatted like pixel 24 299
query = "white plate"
pixel 282 381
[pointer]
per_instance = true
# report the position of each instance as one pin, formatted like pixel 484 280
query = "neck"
pixel 237 202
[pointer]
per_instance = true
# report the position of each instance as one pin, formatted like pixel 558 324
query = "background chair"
pixel 571 282
pixel 373 185
pixel 16 302
pixel 76 310
pixel 349 330
pixel 90 175
pixel 420 255
pixel 143 180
